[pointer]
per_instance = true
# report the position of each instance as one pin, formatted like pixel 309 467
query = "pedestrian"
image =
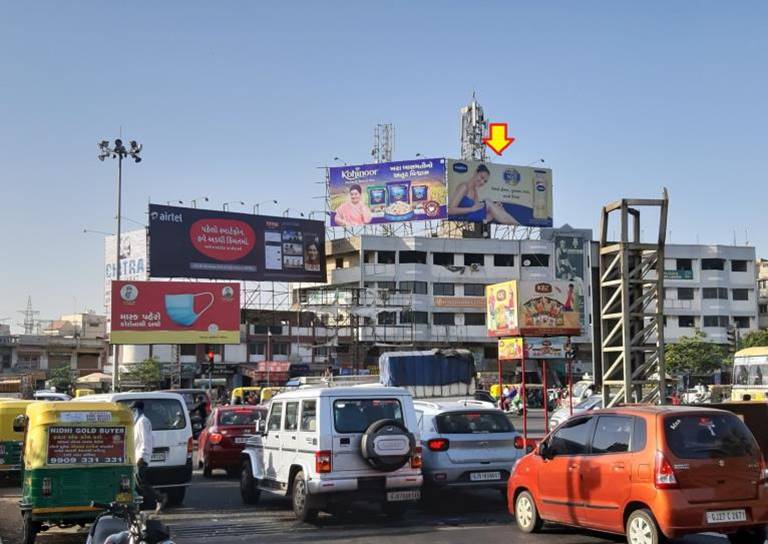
pixel 143 443
pixel 328 375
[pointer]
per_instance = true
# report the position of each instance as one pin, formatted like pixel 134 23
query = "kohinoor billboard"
pixel 174 312
pixel 193 243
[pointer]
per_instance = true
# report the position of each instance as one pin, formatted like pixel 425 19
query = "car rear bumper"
pixel 376 486
pixel 676 520
pixel 162 476
pixel 219 457
pixel 461 477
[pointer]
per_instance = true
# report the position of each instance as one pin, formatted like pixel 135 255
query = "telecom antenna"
pixel 383 142
pixel 473 130
pixel 29 317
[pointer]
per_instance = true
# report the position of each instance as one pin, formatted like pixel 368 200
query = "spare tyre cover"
pixel 387 445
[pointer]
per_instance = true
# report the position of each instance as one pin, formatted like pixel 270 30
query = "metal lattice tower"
pixel 473 130
pixel 29 314
pixel 383 142
pixel 631 306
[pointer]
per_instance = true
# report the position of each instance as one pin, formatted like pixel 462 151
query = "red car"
pixel 225 435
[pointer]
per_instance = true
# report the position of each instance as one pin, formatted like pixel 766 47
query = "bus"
pixel 750 374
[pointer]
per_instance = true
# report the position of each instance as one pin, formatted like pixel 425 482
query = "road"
pixel 213 513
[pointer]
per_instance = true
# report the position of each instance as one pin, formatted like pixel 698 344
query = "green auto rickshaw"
pixel 11 440
pixel 74 453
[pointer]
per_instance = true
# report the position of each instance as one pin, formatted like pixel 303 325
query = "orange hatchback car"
pixel 650 472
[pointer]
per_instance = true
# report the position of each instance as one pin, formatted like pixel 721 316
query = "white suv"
pixel 327 447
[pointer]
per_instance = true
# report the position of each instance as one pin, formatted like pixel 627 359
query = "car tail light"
pixel 322 462
pixel 416 458
pixel 47 487
pixel 519 443
pixel 664 477
pixel 215 438
pixel 190 447
pixel 438 444
pixel 125 483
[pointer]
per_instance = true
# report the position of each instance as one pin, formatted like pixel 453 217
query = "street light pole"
pixel 119 152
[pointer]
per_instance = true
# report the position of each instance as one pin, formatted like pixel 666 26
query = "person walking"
pixel 143 443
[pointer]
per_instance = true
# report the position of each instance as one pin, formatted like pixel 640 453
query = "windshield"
pixel 706 436
pixel 356 415
pixel 590 403
pixel 164 414
pixel 241 417
pixel 473 422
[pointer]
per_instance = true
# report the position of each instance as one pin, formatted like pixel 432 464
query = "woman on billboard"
pixel 354 211
pixel 465 204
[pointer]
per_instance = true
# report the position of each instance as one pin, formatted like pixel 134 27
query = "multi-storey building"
pixel 762 289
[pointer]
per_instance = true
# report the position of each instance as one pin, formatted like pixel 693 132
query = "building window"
pixel 474 289
pixel 741 322
pixel 386 257
pixel 386 318
pixel 257 348
pixel 684 293
pixel 443 289
pixel 419 318
pixel 369 257
pixel 683 264
pixel 415 287
pixel 443 318
pixel 710 293
pixel 503 260
pixel 535 259
pixel 474 319
pixel 339 262
pixel 713 264
pixel 764 308
pixel 215 348
pixel 413 257
pixel 716 321
pixel 388 285
pixel 442 259
pixel 187 350
pixel 738 265
pixel 474 258
pixel 740 294
pixel 491 352
pixel 281 348
pixel 686 322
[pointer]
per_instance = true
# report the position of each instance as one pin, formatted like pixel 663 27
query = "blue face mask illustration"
pixel 181 308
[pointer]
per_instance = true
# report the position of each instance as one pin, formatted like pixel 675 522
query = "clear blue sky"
pixel 243 100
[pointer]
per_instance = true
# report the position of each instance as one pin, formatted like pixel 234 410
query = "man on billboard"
pixel 354 211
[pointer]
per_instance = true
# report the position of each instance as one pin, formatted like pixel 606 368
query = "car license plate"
pixel 726 516
pixel 484 476
pixel 396 496
pixel 160 456
pixel 241 439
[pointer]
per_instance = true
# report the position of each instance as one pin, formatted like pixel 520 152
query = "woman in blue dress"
pixel 465 204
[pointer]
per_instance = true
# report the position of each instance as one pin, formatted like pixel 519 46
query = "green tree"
pixel 694 355
pixel 148 373
pixel 62 378
pixel 754 339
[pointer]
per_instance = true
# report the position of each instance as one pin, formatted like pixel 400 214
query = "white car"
pixel 467 444
pixel 170 469
pixel 326 447
pixel 561 414
pixel 51 396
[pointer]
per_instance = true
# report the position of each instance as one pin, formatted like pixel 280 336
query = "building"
pixel 710 288
pixel 762 289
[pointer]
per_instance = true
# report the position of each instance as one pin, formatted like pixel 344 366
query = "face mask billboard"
pixel 502 194
pixel 196 243
pixel 165 312
pixel 389 192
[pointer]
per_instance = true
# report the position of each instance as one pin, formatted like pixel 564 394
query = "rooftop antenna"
pixel 29 317
pixel 383 143
pixel 473 129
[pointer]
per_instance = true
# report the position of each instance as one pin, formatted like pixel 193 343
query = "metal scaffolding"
pixel 631 305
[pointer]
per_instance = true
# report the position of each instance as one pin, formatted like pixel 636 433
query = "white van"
pixel 171 467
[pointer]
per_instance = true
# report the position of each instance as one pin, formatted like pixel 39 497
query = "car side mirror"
pixel 544 451
pixel 261 427
pixel 20 423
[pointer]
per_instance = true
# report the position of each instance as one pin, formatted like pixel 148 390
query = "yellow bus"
pixel 750 374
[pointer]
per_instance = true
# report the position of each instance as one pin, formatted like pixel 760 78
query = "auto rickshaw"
pixel 240 394
pixel 74 453
pixel 10 440
pixel 83 392
pixel 268 392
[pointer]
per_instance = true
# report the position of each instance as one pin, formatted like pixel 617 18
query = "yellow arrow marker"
pixel 498 140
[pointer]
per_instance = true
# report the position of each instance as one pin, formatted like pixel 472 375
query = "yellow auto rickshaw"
pixel 74 453
pixel 240 394
pixel 11 440
pixel 83 392
pixel 268 392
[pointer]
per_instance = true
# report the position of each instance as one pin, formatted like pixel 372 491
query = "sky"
pixel 243 101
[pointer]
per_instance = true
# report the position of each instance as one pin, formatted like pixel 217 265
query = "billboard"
pixel 388 192
pixel 166 312
pixel 514 348
pixel 503 194
pixel 133 260
pixel 511 349
pixel 192 243
pixel 533 308
pixel 570 265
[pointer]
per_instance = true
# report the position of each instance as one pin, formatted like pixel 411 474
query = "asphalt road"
pixel 214 513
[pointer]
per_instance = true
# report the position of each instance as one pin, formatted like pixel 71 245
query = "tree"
pixel 694 355
pixel 148 373
pixel 754 339
pixel 62 378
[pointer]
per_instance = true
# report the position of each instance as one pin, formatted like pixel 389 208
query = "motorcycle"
pixel 126 524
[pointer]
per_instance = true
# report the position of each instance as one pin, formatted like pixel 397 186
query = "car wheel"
pixel 641 528
pixel 300 499
pixel 526 514
pixel 395 510
pixel 207 469
pixel 749 536
pixel 248 490
pixel 29 528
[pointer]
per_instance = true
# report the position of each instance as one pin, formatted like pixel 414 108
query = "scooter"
pixel 126 524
